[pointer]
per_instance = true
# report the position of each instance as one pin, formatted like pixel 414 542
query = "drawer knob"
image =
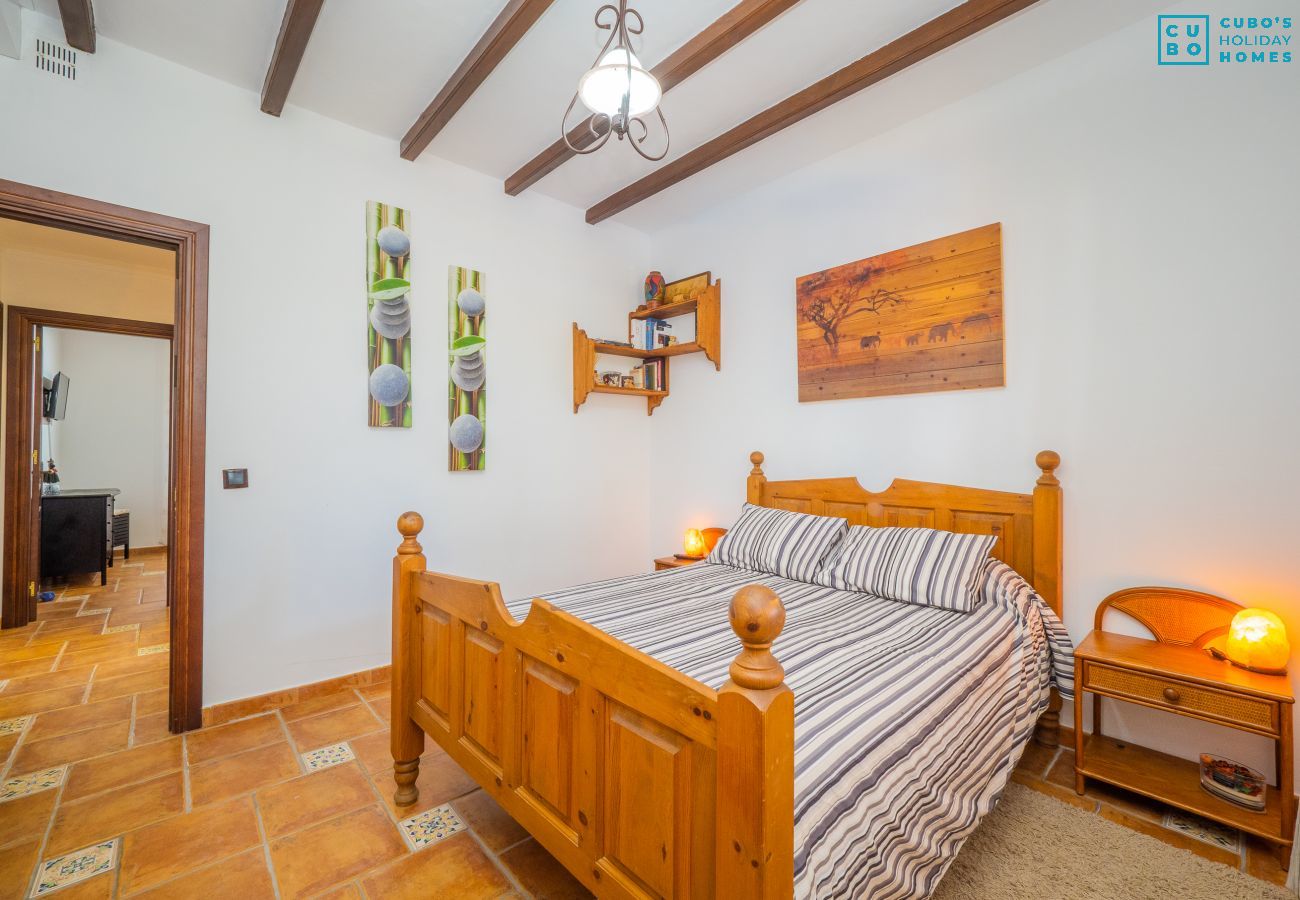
pixel 1172 695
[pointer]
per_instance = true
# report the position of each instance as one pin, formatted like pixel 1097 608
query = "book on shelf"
pixel 1233 782
pixel 654 372
pixel 650 334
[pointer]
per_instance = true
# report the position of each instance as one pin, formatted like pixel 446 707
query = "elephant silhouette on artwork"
pixel 913 339
pixel 871 340
pixel 941 332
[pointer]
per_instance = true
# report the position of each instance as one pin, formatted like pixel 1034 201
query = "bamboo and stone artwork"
pixel 467 372
pixel 388 307
pixel 924 318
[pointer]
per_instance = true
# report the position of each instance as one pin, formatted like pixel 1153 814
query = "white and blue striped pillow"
pixel 914 565
pixel 784 543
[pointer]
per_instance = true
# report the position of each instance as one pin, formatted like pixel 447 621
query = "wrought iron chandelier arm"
pixel 637 142
pixel 601 138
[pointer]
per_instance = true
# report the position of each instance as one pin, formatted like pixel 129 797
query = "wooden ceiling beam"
pixel 727 31
pixel 78 24
pixel 939 33
pixel 500 38
pixel 295 31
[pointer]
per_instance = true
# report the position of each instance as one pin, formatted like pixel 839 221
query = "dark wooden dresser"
pixel 77 532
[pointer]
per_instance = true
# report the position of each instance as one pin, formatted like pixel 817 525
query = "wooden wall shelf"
pixel 708 340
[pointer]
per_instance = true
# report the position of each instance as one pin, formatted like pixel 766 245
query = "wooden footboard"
pixel 641 781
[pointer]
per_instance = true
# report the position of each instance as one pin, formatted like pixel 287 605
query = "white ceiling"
pixel 25 237
pixel 376 64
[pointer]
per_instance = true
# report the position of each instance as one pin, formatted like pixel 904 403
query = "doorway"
pixel 24 405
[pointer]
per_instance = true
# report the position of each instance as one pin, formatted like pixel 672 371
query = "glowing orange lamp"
pixel 693 544
pixel 1257 641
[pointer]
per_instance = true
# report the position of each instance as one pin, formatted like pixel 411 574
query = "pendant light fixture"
pixel 617 89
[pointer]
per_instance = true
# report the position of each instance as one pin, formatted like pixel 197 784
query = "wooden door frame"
pixel 21 437
pixel 189 240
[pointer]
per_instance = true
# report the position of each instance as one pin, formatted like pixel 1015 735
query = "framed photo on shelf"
pixel 684 289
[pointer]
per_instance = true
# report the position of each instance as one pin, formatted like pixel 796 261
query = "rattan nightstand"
pixel 1175 674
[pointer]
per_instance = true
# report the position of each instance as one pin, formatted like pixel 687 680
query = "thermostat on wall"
pixel 234 478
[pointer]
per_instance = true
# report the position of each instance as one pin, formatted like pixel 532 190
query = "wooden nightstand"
pixel 1180 677
pixel 672 562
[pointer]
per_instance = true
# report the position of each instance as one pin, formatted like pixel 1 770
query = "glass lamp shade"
pixel 619 72
pixel 1257 641
pixel 694 544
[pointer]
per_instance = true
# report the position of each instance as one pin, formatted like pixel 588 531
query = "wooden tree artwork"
pixel 467 372
pixel 388 307
pixel 924 318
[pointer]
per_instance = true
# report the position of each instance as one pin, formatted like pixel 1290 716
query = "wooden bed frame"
pixel 641 781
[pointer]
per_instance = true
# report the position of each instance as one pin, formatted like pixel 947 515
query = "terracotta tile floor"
pixel 1052 773
pixel 98 800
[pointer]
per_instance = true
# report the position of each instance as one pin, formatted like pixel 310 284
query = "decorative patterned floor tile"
pixel 14 726
pixel 75 866
pixel 114 629
pixel 325 757
pixel 1203 830
pixel 156 648
pixel 98 611
pixel 431 826
pixel 31 783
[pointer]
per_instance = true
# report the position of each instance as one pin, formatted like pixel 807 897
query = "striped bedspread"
pixel 908 719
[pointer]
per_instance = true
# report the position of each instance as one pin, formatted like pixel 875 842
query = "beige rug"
pixel 1036 848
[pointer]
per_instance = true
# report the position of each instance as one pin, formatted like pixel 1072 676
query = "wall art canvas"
pixel 467 371
pixel 388 309
pixel 924 318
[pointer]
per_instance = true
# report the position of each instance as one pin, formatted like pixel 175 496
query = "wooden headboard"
pixel 1028 526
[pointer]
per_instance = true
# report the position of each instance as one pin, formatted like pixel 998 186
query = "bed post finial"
pixel 754 486
pixel 410 524
pixel 757 616
pixel 407 738
pixel 1048 460
pixel 754 849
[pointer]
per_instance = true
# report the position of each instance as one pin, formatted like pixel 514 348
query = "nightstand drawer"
pixel 1193 699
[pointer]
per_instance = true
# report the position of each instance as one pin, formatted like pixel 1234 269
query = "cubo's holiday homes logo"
pixel 1183 40
pixel 1252 40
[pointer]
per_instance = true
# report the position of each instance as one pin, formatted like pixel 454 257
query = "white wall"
pixel 115 433
pixel 1150 233
pixel 297 567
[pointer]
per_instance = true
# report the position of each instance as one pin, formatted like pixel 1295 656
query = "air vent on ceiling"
pixel 56 59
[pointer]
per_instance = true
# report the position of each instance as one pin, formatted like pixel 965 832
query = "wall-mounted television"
pixel 56 397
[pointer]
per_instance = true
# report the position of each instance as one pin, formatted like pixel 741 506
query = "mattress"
pixel 908 719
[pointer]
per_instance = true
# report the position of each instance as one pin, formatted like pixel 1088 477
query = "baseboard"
pixel 239 709
pixel 159 550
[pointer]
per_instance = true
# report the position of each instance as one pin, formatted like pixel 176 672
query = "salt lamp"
pixel 1257 641
pixel 694 544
